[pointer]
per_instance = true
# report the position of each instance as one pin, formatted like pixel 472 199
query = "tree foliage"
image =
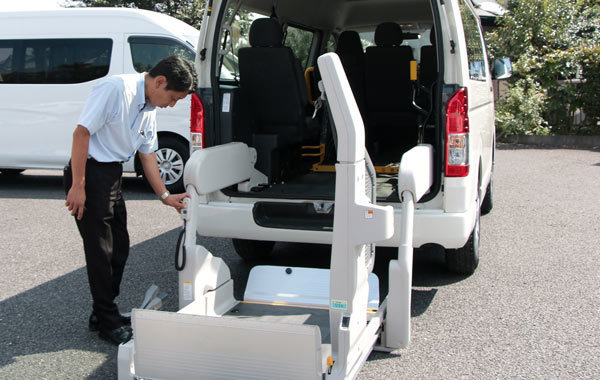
pixel 554 48
pixel 189 11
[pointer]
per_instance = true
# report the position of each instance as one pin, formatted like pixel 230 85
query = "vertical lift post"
pixel 294 323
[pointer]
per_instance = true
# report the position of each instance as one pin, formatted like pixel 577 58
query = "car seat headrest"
pixel 388 34
pixel 266 32
pixel 349 43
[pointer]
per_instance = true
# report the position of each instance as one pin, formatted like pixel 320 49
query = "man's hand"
pixel 176 201
pixel 76 195
pixel 76 201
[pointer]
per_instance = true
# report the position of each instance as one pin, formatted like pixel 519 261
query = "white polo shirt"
pixel 119 119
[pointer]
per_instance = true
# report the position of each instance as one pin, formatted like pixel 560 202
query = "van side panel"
pixel 37 120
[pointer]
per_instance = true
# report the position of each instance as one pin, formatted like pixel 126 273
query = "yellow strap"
pixel 413 70
pixel 307 74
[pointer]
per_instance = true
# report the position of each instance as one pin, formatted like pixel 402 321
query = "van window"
pixel 236 35
pixel 412 38
pixel 147 51
pixel 300 41
pixel 54 61
pixel 474 41
pixel 331 44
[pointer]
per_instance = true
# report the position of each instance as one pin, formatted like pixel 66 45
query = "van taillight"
pixel 457 135
pixel 197 123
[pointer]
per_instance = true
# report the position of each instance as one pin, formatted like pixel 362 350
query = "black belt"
pixel 92 160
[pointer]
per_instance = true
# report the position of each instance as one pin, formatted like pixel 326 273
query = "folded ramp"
pixel 182 346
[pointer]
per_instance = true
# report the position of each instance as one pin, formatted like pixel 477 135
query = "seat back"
pixel 391 119
pixel 428 73
pixel 272 83
pixel 388 70
pixel 351 53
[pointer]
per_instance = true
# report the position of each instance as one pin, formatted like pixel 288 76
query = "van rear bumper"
pixel 235 220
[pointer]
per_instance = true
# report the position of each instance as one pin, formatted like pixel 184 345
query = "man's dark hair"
pixel 179 72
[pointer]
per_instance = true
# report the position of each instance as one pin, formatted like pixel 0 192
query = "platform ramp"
pixel 182 346
pixel 307 287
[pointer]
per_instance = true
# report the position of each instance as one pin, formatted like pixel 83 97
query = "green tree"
pixel 299 41
pixel 547 41
pixel 188 11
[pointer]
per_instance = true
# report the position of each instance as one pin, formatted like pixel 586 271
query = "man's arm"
pixel 150 165
pixel 79 151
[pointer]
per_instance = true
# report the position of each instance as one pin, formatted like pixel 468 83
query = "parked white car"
pixel 51 59
pixel 420 75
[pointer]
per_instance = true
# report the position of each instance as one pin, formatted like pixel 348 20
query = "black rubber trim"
pixel 297 216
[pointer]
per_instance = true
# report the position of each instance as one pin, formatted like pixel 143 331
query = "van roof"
pixel 82 20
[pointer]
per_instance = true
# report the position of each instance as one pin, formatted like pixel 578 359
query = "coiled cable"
pixel 180 241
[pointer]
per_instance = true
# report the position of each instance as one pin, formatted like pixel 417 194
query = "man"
pixel 118 120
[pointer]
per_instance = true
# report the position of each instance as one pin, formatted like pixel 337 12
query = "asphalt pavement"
pixel 531 311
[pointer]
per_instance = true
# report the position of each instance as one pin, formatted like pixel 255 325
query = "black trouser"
pixel 103 229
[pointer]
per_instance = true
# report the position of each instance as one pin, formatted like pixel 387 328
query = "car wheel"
pixel 465 260
pixel 252 250
pixel 172 154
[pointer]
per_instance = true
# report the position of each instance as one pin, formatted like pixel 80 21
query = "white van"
pixel 51 59
pixel 420 75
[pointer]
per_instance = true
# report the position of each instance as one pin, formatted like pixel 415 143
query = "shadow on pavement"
pixel 428 268
pixel 52 317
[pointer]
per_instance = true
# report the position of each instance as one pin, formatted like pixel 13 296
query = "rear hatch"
pixel 264 92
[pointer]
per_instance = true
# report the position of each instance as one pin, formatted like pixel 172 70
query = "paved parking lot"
pixel 530 311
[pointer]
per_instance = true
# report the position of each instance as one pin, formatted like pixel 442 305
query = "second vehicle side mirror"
pixel 502 68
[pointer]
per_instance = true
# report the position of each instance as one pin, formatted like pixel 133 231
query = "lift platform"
pixel 293 323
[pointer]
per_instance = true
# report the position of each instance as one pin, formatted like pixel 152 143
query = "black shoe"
pixel 94 325
pixel 117 336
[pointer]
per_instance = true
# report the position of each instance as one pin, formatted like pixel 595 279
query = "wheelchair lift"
pixel 294 323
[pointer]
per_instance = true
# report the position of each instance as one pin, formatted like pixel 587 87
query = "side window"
pixel 300 41
pixel 147 51
pixel 7 53
pixel 475 51
pixel 54 61
pixel 331 44
pixel 235 35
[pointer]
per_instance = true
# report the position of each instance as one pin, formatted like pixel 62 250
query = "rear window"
pixel 54 61
pixel 413 38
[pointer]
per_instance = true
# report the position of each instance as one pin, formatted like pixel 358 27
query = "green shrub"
pixel 589 91
pixel 519 112
pixel 553 44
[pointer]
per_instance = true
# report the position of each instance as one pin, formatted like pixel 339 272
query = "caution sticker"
pixel 369 214
pixel 187 291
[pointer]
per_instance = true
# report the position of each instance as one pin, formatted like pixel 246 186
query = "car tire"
pixel 172 154
pixel 252 250
pixel 464 260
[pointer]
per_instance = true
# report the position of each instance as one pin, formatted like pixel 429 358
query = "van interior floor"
pixel 320 186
